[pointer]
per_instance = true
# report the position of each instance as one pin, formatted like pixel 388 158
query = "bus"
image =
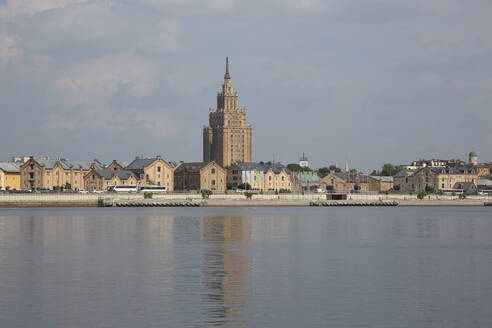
pixel 153 189
pixel 123 189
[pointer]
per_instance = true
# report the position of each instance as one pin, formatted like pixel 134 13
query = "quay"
pixel 229 200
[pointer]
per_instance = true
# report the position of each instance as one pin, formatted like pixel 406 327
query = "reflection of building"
pixel 227 139
pixel 199 176
pixel 9 176
pixel 227 267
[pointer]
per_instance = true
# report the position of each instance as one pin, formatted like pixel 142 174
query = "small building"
pixel 9 176
pixel 152 172
pixel 102 179
pixel 380 183
pixel 303 161
pixel 344 182
pixel 200 176
pixel 468 188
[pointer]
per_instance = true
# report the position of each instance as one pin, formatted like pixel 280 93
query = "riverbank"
pixel 227 200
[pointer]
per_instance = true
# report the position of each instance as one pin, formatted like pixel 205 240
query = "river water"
pixel 246 267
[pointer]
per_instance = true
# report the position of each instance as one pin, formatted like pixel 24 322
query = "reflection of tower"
pixel 473 158
pixel 227 266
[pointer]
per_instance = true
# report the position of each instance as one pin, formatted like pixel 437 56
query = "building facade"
pixel 200 176
pixel 344 182
pixel 379 183
pixel 260 176
pixel 102 179
pixel 227 139
pixel 435 178
pixel 152 172
pixel 9 176
pixel 55 174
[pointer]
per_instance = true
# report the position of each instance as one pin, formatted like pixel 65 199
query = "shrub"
pixel 396 187
pixel 276 192
pixel 462 196
pixel 421 194
pixel 248 194
pixel 429 189
pixel 205 195
pixel 441 192
pixel 148 195
pixel 453 193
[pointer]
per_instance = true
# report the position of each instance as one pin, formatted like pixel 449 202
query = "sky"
pixel 368 81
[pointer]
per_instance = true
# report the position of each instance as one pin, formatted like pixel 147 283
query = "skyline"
pixel 97 79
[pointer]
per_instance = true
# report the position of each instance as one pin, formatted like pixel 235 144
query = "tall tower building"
pixel 227 139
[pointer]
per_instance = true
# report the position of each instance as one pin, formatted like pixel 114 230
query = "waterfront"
pixel 248 267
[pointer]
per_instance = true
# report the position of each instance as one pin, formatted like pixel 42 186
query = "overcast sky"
pixel 368 81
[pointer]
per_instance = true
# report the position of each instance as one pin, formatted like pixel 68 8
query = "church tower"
pixel 227 139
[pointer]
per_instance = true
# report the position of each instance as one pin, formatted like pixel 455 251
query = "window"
pixel 31 175
pixel 158 169
pixel 270 178
pixel 213 171
pixel 32 166
pixel 213 182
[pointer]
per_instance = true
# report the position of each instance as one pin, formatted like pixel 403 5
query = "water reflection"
pixel 246 267
pixel 226 270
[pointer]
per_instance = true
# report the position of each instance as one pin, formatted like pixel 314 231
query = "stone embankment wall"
pixel 231 199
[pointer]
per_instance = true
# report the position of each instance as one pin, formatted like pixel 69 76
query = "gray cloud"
pixel 367 81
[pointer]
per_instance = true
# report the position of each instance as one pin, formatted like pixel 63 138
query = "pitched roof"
pixel 264 167
pixel 193 166
pixel 109 174
pixel 484 182
pixel 381 178
pixel 9 167
pixel 405 172
pixel 140 163
pixel 352 177
pixel 67 164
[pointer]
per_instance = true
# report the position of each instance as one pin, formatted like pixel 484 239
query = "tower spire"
pixel 227 76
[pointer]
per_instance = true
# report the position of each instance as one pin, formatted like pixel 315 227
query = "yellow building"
pixel 344 182
pixel 54 174
pixel 9 176
pixel 380 183
pixel 435 178
pixel 98 179
pixel 152 172
pixel 227 139
pixel 199 176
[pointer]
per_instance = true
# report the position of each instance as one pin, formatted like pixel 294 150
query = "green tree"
pixel 68 186
pixel 429 189
pixel 244 186
pixel 421 194
pixel 390 170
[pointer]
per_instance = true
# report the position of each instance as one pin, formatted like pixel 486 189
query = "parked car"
pixel 98 192
pixel 82 191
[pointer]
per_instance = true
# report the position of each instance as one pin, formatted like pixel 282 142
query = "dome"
pixel 472 154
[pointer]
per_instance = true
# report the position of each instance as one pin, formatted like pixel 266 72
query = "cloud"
pixel 9 48
pixel 15 8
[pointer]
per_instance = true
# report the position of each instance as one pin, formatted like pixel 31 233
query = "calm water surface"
pixel 246 267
